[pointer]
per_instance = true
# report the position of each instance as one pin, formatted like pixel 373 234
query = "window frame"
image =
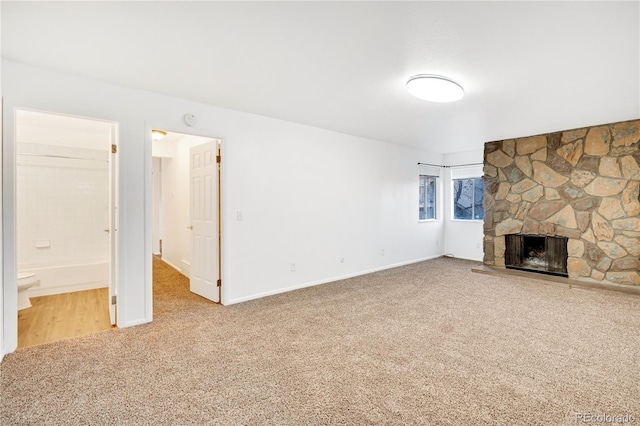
pixel 435 196
pixel 473 203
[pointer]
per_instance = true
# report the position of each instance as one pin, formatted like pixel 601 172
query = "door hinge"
pixel 218 158
pixel 114 299
pixel 114 148
pixel 219 283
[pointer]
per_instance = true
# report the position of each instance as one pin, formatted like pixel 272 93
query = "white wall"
pixel 156 226
pixel 313 198
pixel 2 340
pixel 308 196
pixel 160 149
pixel 463 238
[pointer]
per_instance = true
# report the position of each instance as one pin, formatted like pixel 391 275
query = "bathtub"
pixel 65 278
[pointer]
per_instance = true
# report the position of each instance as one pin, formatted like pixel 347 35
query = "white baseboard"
pixel 177 268
pixel 186 268
pixel 463 258
pixel 134 323
pixel 49 291
pixel 325 281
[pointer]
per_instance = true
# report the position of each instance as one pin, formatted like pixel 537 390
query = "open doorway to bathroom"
pixel 186 222
pixel 65 226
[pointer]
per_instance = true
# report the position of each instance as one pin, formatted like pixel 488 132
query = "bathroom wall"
pixel 62 207
pixel 62 199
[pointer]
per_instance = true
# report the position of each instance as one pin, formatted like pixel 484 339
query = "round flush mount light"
pixel 156 134
pixel 434 88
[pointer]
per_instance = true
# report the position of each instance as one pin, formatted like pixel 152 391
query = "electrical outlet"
pixel 342 260
pixel 239 216
pixel 293 267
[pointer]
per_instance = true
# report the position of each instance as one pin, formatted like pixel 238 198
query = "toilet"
pixel 26 280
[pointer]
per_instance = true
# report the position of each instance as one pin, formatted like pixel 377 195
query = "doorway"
pixel 186 221
pixel 66 171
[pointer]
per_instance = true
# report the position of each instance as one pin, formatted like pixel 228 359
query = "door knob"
pixel 189 227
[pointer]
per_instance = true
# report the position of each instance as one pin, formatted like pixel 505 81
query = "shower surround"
pixel 62 214
pixel 582 184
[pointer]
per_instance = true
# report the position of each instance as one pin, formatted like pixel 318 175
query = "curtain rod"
pixel 448 167
pixel 60 156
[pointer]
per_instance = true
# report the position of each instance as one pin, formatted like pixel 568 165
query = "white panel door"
pixel 204 220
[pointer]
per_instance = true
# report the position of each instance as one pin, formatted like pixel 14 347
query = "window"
pixel 427 197
pixel 467 199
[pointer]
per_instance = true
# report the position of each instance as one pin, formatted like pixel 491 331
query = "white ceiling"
pixel 527 67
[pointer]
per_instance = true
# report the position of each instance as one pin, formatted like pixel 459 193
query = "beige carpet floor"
pixel 171 293
pixel 426 344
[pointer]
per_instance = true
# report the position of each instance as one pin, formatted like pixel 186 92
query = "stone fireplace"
pixel 576 190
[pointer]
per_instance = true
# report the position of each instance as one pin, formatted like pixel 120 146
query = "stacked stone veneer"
pixel 582 184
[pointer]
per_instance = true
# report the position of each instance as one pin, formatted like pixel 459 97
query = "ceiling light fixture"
pixel 156 135
pixel 434 88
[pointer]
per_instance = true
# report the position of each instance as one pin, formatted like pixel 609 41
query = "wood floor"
pixel 62 316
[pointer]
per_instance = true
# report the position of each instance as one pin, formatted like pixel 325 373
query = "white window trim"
pixel 438 198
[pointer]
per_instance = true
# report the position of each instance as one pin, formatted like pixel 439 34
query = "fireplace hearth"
pixel 536 253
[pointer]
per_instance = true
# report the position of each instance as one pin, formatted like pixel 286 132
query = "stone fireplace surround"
pixel 583 184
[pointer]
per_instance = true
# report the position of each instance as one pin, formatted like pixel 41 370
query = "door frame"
pixel 148 210
pixel 9 289
pixel 114 204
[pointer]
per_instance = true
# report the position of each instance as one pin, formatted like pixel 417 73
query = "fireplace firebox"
pixel 536 253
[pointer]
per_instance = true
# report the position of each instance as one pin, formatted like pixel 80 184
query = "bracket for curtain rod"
pixel 448 167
